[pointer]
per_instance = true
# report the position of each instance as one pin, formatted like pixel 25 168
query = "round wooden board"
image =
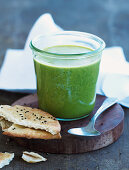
pixel 110 124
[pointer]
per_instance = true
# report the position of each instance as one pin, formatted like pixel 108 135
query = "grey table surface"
pixel 108 19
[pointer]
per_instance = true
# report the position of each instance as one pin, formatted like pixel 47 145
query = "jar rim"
pixel 76 33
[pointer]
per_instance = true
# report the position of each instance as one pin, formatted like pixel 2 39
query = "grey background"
pixel 108 19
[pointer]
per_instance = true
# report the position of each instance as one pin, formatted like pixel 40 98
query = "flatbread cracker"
pixel 32 157
pixel 24 132
pixel 5 158
pixel 29 117
pixel 1 118
pixel 5 124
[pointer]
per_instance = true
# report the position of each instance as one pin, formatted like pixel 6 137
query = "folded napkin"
pixel 17 72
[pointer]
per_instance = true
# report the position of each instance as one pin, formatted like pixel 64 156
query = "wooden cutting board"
pixel 110 123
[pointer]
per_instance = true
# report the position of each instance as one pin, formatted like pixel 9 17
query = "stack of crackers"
pixel 27 122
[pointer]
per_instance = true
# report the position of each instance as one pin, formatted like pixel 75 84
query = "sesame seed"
pixel 26 111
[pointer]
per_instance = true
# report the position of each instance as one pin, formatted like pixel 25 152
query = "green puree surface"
pixel 66 89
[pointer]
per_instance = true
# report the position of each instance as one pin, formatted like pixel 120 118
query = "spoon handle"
pixel 106 104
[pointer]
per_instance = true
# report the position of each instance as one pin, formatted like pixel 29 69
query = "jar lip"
pixel 76 33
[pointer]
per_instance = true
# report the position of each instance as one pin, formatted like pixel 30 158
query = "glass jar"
pixel 67 67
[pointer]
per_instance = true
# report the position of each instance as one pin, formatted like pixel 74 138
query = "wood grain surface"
pixel 110 124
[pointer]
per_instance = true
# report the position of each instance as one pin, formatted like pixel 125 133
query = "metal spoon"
pixel 90 130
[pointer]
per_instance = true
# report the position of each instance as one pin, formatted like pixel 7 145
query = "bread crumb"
pixel 5 158
pixel 32 157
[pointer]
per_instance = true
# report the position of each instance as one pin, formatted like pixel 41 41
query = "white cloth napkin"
pixel 113 62
pixel 17 72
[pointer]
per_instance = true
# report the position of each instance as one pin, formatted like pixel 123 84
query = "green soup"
pixel 66 88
